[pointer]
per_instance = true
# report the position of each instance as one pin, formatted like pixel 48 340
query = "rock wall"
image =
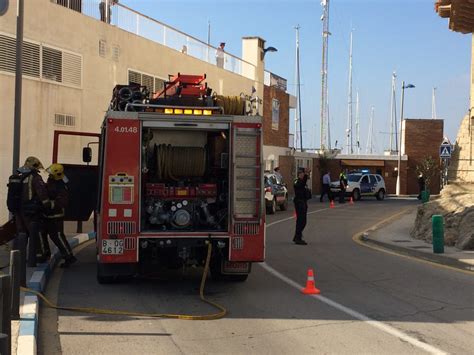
pixel 456 205
pixel 461 168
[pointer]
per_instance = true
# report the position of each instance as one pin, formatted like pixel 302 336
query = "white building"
pixel 72 60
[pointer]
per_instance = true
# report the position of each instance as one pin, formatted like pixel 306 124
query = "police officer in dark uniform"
pixel 343 187
pixel 302 195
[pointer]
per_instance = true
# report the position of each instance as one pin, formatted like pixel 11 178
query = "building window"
pixel 115 53
pixel 159 85
pixel 275 114
pixel 72 69
pixel 64 120
pixel 75 5
pixel 102 48
pixel 148 81
pixel 52 64
pixel 56 65
pixel 153 83
pixel 31 56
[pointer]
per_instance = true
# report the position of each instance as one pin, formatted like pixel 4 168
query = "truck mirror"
pixel 86 154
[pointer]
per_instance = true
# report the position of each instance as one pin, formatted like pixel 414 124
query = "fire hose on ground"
pixel 91 310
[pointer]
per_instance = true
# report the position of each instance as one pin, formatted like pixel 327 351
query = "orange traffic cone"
pixel 331 204
pixel 310 288
pixel 351 201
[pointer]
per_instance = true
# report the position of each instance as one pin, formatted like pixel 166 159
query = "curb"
pixel 363 238
pixel 29 309
pixel 432 258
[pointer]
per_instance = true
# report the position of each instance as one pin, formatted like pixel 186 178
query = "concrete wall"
pixel 59 27
pixel 421 139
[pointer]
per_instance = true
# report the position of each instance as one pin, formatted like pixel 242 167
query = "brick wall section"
pixel 422 139
pixel 278 138
pixel 287 169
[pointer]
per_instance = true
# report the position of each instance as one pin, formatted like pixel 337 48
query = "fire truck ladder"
pixel 247 172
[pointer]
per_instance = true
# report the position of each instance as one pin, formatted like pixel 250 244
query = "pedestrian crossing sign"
pixel 445 151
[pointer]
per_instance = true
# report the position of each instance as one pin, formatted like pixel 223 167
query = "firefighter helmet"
pixel 33 163
pixel 56 171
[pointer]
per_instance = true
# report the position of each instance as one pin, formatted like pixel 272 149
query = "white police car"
pixel 362 184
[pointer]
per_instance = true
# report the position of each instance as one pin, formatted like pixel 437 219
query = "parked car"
pixel 362 184
pixel 276 193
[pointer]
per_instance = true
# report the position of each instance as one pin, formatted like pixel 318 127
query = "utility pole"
pixel 357 124
pixel 350 149
pixel 433 105
pixel 324 120
pixel 369 148
pixel 18 85
pixel 409 86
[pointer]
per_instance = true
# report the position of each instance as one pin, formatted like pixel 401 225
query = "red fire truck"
pixel 176 172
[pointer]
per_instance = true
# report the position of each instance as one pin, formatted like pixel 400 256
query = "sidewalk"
pixel 24 331
pixel 395 235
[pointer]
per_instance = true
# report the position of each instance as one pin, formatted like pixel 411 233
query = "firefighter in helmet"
pixel 31 200
pixel 54 218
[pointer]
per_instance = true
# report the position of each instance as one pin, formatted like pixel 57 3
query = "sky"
pixel 403 36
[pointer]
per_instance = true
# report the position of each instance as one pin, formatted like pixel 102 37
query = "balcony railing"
pixel 142 25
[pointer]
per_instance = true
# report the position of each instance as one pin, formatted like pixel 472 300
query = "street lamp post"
pixel 409 86
pixel 18 86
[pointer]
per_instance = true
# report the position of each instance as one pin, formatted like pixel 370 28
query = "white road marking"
pixel 377 324
pixel 293 217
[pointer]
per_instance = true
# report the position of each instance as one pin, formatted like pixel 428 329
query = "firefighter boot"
pixel 44 252
pixel 71 259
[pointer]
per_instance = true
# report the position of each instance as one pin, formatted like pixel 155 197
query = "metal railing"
pixel 142 25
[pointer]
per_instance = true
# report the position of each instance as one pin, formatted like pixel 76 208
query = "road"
pixel 372 302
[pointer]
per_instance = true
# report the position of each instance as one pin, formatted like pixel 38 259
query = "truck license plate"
pixel 112 246
pixel 235 267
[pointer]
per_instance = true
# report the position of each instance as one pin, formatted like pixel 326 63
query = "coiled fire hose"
pixel 232 105
pixel 221 314
pixel 180 161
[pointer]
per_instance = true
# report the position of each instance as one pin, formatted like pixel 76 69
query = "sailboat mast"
pixel 349 147
pixel 357 124
pixel 369 148
pixel 433 105
pixel 393 115
pixel 324 121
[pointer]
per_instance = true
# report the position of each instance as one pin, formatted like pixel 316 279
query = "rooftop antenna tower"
pixel 324 121
pixel 357 124
pixel 433 105
pixel 393 117
pixel 349 146
pixel 298 123
pixel 329 126
pixel 370 148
